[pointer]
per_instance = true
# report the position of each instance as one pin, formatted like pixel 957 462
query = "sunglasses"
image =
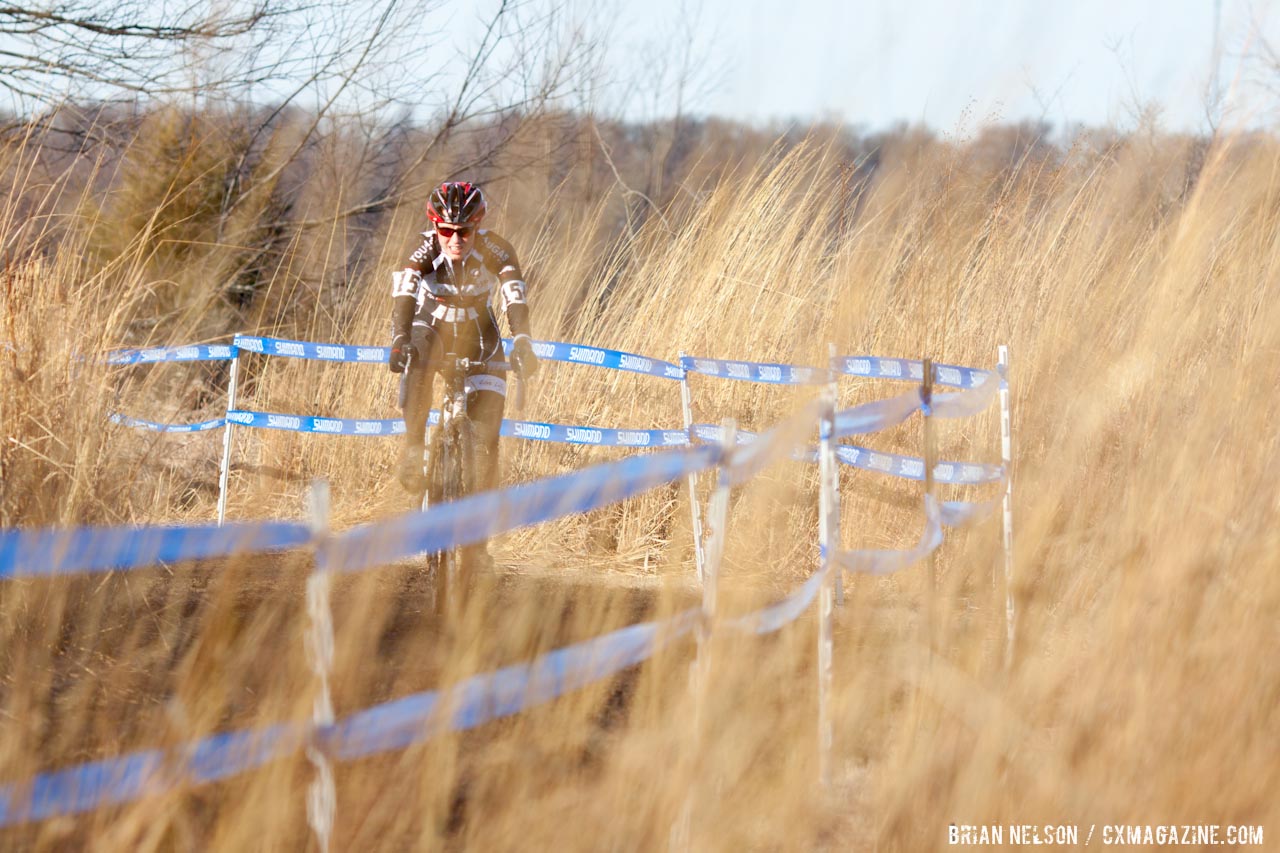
pixel 447 233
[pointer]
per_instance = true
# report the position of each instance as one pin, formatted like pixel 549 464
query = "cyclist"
pixel 441 304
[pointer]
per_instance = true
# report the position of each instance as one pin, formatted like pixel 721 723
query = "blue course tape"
pixel 785 439
pixel 125 420
pixel 613 359
pixel 903 368
pixel 153 355
pixel 775 616
pixel 961 513
pixel 488 514
pixel 535 430
pixel 392 725
pixel 82 788
pixel 313 351
pixel 912 467
pixel 937 515
pixel 715 434
pixel 475 701
pixel 877 415
pixel 755 371
pixel 305 423
pixel 130 777
pixel 549 350
pixel 414 719
pixel 964 404
pixel 471 703
pixel 869 417
pixel 597 436
pixel 883 562
pixel 489 696
pixel 906 467
pixel 26 553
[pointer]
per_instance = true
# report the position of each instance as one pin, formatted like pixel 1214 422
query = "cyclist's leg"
pixel 485 406
pixel 484 411
pixel 419 385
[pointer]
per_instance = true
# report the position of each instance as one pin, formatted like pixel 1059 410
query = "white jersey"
pixel 438 284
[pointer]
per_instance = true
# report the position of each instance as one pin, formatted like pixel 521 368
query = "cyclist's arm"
pixel 501 258
pixel 404 287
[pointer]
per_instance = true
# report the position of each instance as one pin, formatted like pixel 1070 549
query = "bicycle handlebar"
pixel 465 364
pixel 501 365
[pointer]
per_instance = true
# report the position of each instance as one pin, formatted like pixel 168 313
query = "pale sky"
pixel 956 65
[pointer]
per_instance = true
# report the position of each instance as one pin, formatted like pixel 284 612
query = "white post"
pixel 321 793
pixel 695 508
pixel 828 541
pixel 226 441
pixel 700 672
pixel 1006 456
pixel 834 390
pixel 718 514
pixel 930 465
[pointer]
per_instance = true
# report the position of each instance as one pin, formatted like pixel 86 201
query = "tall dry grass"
pixel 1131 283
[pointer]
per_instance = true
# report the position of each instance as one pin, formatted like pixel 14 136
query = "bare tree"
pixel 320 66
pixel 73 48
pixel 327 57
pixel 527 61
pixel 671 74
pixel 267 124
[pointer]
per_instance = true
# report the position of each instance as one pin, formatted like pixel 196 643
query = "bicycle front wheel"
pixel 459 463
pixel 452 478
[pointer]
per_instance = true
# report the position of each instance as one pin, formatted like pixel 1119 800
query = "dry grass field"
pixel 1135 284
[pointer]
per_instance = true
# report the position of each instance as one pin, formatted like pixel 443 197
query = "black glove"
pixel 401 352
pixel 523 359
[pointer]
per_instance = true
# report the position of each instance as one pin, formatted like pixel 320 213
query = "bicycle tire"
pixel 462 480
pixel 433 496
pixel 452 470
pixel 461 467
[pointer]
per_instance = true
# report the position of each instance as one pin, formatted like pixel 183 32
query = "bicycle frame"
pixel 454 403
pixel 450 463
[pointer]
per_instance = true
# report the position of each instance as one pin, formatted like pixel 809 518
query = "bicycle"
pixel 449 466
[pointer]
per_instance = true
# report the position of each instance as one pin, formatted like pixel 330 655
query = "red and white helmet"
pixel 456 203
